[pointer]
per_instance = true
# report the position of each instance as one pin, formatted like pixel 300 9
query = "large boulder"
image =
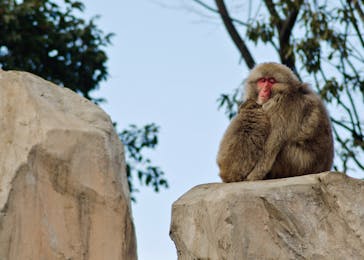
pixel 63 186
pixel 317 216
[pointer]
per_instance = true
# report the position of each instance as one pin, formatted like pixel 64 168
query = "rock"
pixel 63 186
pixel 318 216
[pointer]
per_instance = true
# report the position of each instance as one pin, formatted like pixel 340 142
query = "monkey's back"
pixel 307 154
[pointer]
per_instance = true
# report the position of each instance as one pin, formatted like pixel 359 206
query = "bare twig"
pixel 234 34
pixel 348 93
pixel 284 27
pixel 348 149
pixel 206 6
pixel 354 22
pixel 273 12
pixel 359 10
pixel 340 123
pixel 289 23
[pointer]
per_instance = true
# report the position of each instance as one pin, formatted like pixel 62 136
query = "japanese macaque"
pixel 287 131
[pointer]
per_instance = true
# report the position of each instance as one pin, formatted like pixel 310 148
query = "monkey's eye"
pixel 262 80
pixel 272 80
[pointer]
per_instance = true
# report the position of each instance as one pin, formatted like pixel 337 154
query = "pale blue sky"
pixel 168 66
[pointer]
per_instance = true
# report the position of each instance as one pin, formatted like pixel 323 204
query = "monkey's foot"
pixel 255 176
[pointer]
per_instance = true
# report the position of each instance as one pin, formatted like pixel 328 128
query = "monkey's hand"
pixel 249 104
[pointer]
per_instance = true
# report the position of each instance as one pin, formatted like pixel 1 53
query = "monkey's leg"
pixel 271 149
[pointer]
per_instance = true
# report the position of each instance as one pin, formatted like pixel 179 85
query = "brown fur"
pixel 300 137
pixel 243 142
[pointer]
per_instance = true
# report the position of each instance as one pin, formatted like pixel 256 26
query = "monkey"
pixel 299 138
pixel 243 142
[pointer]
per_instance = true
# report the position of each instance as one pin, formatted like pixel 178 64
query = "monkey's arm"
pixel 273 146
pixel 310 123
pixel 249 104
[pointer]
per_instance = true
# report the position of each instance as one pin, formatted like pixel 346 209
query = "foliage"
pixel 136 140
pixel 322 42
pixel 46 39
pixel 50 40
pixel 230 102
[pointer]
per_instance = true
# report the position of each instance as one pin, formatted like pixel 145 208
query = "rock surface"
pixel 63 187
pixel 317 216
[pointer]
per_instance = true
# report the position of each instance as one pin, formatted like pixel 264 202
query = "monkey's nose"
pixel 266 89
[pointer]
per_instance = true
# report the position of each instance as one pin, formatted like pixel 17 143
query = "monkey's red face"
pixel 265 88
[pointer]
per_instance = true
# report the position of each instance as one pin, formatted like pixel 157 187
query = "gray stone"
pixel 63 186
pixel 318 216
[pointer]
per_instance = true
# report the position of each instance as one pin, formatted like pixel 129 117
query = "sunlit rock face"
pixel 63 187
pixel 318 216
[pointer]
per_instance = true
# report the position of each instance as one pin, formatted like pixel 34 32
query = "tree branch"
pixel 273 12
pixel 347 149
pixel 284 28
pixel 288 24
pixel 354 22
pixel 359 10
pixel 234 34
pixel 351 100
pixel 206 6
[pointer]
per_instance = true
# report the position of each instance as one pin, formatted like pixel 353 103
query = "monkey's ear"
pixel 282 88
pixel 250 91
pixel 304 88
